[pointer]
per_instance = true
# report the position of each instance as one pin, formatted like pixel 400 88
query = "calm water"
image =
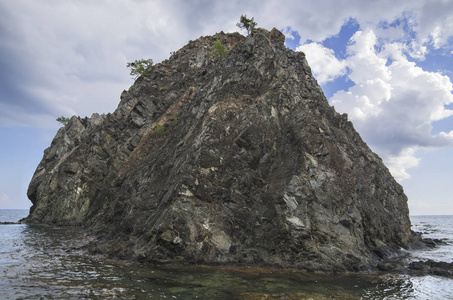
pixel 46 263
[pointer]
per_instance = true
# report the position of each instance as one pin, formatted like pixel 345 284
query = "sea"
pixel 45 262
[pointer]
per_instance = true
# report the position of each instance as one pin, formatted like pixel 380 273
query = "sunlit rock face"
pixel 231 160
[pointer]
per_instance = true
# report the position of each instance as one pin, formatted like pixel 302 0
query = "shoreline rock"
pixel 431 267
pixel 250 165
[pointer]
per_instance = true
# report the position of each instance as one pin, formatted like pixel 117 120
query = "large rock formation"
pixel 236 160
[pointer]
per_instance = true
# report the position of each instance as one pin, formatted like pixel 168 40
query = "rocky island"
pixel 237 159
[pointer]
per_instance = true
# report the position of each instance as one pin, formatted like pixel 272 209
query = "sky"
pixel 387 64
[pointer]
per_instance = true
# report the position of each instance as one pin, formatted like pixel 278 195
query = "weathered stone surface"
pixel 253 167
pixel 430 267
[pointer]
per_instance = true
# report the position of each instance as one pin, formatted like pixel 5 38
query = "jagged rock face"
pixel 253 166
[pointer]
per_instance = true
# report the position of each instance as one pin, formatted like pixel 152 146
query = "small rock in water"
pixel 430 267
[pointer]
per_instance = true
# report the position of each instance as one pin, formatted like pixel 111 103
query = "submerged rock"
pixel 236 160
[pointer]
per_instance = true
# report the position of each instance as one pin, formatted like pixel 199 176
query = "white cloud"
pixel 435 22
pixel 288 32
pixel 447 135
pixel 398 164
pixel 393 102
pixel 363 61
pixel 323 62
pixel 54 53
pixel 317 20
pixel 69 57
pixel 363 100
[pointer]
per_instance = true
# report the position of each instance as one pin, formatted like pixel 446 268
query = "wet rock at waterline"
pixel 236 159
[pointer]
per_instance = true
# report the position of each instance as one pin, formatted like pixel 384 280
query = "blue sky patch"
pixel 340 83
pixel 339 42
pixel 294 42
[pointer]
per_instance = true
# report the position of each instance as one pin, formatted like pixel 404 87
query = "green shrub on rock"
pixel 159 130
pixel 63 120
pixel 219 50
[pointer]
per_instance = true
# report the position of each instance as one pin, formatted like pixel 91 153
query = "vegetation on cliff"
pixel 139 67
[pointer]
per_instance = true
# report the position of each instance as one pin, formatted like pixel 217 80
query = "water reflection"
pixel 48 263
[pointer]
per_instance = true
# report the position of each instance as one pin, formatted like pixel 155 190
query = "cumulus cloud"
pixel 434 21
pixel 69 57
pixel 393 102
pixel 399 163
pixel 65 58
pixel 323 62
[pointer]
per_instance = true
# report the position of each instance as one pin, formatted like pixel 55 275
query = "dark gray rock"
pixel 239 160
pixel 432 243
pixel 430 267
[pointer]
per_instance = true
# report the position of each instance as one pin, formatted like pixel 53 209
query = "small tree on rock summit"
pixel 138 67
pixel 247 24
pixel 63 120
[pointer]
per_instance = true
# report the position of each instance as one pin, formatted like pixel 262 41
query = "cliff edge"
pixel 235 160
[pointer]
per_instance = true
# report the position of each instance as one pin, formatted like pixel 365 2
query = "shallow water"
pixel 46 263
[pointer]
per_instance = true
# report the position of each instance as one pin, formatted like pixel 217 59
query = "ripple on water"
pixel 47 263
